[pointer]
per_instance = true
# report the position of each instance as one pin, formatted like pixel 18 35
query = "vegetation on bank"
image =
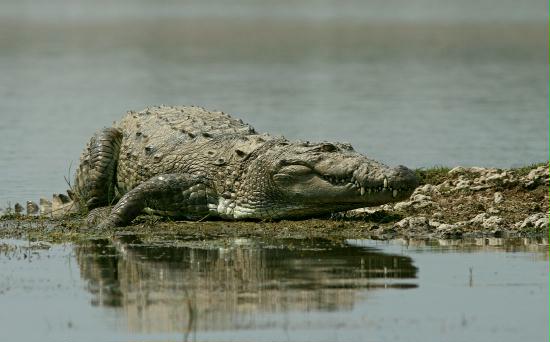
pixel 433 175
pixel 438 174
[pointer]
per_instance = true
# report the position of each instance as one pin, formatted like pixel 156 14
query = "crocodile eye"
pixel 346 146
pixel 327 148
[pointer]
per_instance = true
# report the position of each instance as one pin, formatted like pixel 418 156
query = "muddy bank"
pixel 471 202
pixel 450 203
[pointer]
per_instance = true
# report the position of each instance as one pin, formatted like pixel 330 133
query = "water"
pixel 421 84
pixel 245 289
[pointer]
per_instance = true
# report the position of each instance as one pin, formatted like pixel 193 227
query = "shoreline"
pixel 452 203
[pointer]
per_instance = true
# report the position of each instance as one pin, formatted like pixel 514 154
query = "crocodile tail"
pixel 95 179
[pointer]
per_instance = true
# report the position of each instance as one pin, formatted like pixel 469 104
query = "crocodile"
pixel 189 162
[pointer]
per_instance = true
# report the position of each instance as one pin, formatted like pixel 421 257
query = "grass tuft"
pixel 432 175
pixel 524 170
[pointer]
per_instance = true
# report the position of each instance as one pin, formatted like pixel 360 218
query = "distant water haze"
pixel 423 83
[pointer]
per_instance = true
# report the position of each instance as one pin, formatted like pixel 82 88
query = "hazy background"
pixel 420 83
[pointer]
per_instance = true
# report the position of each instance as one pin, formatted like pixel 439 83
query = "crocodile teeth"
pixel 385 182
pixel 362 191
pixel 394 193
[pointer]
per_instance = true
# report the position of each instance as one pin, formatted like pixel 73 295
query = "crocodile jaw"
pixel 303 182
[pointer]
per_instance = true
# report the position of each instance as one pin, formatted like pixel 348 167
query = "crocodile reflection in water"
pixel 224 284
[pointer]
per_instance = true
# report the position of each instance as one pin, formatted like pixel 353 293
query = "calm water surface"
pixel 423 83
pixel 184 289
pixel 418 83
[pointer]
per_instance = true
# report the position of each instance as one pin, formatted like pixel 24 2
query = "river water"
pixel 242 289
pixel 419 83
pixel 423 83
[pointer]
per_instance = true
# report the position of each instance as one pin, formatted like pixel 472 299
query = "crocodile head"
pixel 303 179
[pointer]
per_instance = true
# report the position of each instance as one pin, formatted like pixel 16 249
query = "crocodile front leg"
pixel 173 194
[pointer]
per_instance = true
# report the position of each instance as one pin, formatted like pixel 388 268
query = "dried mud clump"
pixel 476 201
